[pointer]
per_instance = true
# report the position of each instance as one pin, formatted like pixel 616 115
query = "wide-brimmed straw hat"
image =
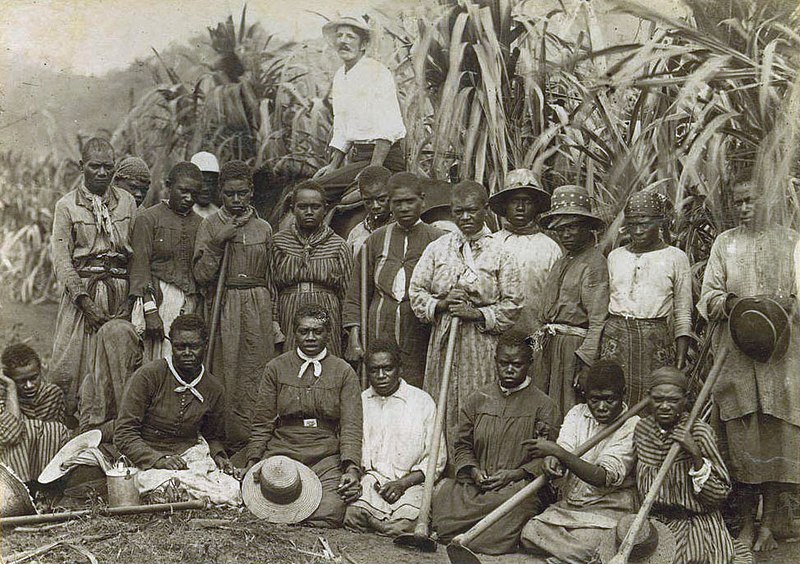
pixel 520 180
pixel 53 470
pixel 570 200
pixel 655 543
pixel 15 499
pixel 356 21
pixel 760 328
pixel 287 491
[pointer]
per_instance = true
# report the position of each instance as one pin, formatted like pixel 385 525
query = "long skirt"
pixel 245 343
pixel 472 368
pixel 291 300
pixel 457 506
pixel 639 346
pixel 73 346
pixel 762 448
pixel 174 302
pixel 39 443
pixel 556 372
pixel 704 539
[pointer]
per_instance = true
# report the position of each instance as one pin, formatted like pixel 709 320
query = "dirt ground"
pixel 212 536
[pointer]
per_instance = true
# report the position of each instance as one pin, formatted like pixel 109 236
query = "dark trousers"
pixel 342 180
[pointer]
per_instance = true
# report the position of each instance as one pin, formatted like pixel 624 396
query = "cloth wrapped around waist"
pixel 307 287
pixel 245 282
pixel 542 335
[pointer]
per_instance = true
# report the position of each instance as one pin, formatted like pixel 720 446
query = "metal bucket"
pixel 122 490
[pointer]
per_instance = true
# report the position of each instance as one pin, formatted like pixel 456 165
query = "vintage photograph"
pixel 400 281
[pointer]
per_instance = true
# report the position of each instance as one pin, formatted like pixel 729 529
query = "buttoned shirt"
pixel 365 105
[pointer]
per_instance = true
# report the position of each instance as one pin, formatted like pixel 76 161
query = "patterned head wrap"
pixel 669 375
pixel 133 168
pixel 647 204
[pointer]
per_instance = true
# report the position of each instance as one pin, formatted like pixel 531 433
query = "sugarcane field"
pixel 400 281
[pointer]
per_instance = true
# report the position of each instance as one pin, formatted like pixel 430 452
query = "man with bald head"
pixel 90 249
pixel 471 276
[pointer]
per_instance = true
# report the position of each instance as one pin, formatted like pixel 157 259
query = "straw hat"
pixel 655 543
pixel 760 328
pixel 520 180
pixel 356 21
pixel 53 471
pixel 287 491
pixel 205 161
pixel 15 499
pixel 570 200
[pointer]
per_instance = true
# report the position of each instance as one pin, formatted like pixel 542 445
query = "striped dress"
pixel 693 516
pixel 29 442
pixel 311 270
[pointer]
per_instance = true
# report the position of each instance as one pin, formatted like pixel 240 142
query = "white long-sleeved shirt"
pixel 365 105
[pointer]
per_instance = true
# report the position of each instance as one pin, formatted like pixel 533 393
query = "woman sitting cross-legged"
pixel 170 423
pixel 491 463
pixel 598 488
pixel 309 409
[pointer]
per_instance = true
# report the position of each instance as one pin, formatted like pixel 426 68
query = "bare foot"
pixel 747 535
pixel 765 541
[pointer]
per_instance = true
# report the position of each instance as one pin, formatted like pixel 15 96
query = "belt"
pixel 308 287
pixel 640 319
pixel 309 422
pixel 244 282
pixel 672 512
pixel 102 272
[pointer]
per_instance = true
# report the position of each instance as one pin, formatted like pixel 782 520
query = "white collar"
pixel 508 391
pixel 314 361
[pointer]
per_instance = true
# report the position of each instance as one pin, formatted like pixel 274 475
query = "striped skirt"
pixel 703 539
pixel 290 300
pixel 639 346
pixel 39 444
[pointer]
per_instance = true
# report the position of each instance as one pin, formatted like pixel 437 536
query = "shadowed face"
pixel 747 203
pixel 205 195
pixel 520 209
pixel 575 235
pixel 605 404
pixel 469 213
pixel 383 372
pixel 181 194
pixel 512 364
pixel 27 378
pixel 311 335
pixel 308 209
pixel 98 169
pixel 188 348
pixel 135 188
pixel 406 205
pixel 645 232
pixel 376 201
pixel 236 196
pixel 669 403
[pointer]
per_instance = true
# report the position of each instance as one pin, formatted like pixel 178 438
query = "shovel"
pixel 421 538
pixel 457 550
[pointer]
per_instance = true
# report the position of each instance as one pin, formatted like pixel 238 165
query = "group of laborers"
pixel 545 330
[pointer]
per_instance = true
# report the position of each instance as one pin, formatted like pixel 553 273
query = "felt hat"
pixel 655 543
pixel 570 200
pixel 357 21
pixel 760 328
pixel 520 180
pixel 53 470
pixel 205 161
pixel 287 491
pixel 15 499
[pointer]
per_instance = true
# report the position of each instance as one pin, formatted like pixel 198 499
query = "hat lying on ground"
pixel 760 328
pixel 53 470
pixel 655 543
pixel 358 22
pixel 15 499
pixel 570 200
pixel 287 491
pixel 524 181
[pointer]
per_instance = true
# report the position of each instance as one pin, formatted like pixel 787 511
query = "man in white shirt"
pixel 367 123
pixel 398 430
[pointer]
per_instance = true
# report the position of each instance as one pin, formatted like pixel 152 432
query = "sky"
pixel 94 36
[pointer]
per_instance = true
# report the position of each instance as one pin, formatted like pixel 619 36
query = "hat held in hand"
pixel 760 328
pixel 286 491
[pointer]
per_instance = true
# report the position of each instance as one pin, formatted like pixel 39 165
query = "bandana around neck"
pixel 314 361
pixel 102 215
pixel 184 386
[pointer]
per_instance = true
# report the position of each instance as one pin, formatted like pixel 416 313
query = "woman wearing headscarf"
pixel 246 334
pixel 133 176
pixel 650 304
pixel 311 265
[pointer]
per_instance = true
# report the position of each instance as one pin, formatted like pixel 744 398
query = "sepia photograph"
pixel 400 281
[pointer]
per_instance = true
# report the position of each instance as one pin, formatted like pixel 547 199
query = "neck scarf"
pixel 102 215
pixel 508 391
pixel 187 386
pixel 242 219
pixel 314 361
pixel 311 242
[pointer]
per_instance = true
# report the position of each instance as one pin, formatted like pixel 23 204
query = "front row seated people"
pixel 32 428
pixel 309 409
pixel 398 431
pixel 491 462
pixel 171 421
pixel 597 489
